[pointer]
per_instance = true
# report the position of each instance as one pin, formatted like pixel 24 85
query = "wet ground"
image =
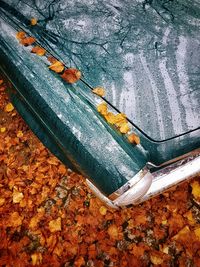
pixel 48 216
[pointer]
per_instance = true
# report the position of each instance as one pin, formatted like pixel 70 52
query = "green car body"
pixel 146 54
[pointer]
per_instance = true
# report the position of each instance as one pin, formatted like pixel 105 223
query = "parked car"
pixel 145 55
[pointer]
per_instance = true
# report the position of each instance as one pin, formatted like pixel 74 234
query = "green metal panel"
pixel 144 81
pixel 71 120
pixel 133 49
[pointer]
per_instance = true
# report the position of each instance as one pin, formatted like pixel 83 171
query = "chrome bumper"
pixel 150 184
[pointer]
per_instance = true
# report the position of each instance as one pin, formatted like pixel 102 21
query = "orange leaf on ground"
pixel 36 258
pixel 183 233
pixel 2 201
pixel 58 250
pixel 20 134
pixel 71 75
pixel 15 219
pixel 17 196
pixel 99 91
pixel 195 189
pixel 61 169
pixel 197 233
pixel 33 21
pixel 20 35
pixel 156 258
pixel 155 232
pixel 113 231
pixel 28 41
pixel 2 129
pixel 38 50
pixel 79 262
pixel 103 210
pixel 55 225
pixel 189 217
pixel 34 222
pixel 9 107
pixel 57 66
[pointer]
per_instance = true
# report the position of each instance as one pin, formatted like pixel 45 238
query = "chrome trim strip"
pixel 191 154
pixel 101 196
pixel 133 190
pixel 132 182
pixel 151 185
pixel 166 178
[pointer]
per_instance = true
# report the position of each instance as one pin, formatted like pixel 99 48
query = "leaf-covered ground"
pixel 48 216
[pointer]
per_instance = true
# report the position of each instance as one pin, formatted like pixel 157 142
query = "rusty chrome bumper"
pixel 150 184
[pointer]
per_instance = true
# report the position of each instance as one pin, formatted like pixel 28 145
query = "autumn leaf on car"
pixel 40 51
pixel 20 35
pixel 27 41
pixel 52 59
pixel 71 75
pixel 100 91
pixel 33 21
pixel 57 66
pixel 134 139
pixel 102 108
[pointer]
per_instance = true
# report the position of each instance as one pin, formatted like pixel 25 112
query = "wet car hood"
pixel 146 54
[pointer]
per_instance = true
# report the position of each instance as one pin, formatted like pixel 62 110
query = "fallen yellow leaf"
pixel 156 260
pixel 17 196
pixel 195 189
pixel 2 129
pixel 34 222
pixel 120 119
pixel 15 219
pixel 51 59
pixel 19 134
pixel 113 231
pixel 183 232
pixel 103 210
pixel 27 41
pixel 33 21
pixel 134 139
pixel 99 91
pixel 190 218
pixel 9 107
pixel 57 66
pixel 110 117
pixel 36 258
pixel 40 51
pixel 197 233
pixel 20 35
pixel 164 222
pixel 102 108
pixel 2 201
pixel 71 75
pixel 124 128
pixel 55 225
